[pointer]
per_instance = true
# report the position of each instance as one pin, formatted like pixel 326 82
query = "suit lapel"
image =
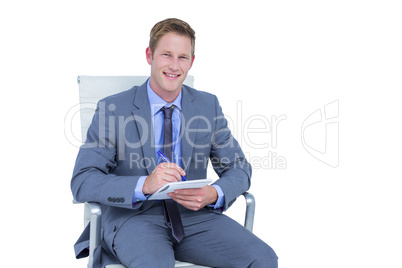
pixel 143 121
pixel 142 118
pixel 190 110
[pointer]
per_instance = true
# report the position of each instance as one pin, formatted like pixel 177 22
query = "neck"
pixel 168 96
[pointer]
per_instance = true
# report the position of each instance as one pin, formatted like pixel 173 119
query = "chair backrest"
pixel 94 88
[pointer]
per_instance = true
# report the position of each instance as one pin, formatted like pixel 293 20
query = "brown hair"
pixel 171 25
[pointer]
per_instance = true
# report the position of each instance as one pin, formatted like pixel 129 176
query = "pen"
pixel 166 160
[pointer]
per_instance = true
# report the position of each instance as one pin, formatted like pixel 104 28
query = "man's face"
pixel 170 64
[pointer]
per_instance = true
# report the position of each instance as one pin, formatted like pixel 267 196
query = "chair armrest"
pixel 250 210
pixel 93 216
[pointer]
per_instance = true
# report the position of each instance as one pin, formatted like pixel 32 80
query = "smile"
pixel 171 75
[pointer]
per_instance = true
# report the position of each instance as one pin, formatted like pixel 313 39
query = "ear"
pixel 148 54
pixel 192 61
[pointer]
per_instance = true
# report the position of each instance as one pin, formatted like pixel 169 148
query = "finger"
pixel 167 174
pixel 162 179
pixel 175 177
pixel 186 198
pixel 190 204
pixel 172 173
pixel 173 166
pixel 188 192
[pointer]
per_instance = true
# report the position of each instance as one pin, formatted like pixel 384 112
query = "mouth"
pixel 171 76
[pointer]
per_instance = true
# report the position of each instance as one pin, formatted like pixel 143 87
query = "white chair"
pixel 92 89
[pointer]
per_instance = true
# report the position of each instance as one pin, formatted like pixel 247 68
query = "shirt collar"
pixel 156 102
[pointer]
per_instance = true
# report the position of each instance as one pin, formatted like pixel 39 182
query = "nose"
pixel 174 64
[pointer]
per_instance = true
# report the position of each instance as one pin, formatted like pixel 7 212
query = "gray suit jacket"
pixel 119 150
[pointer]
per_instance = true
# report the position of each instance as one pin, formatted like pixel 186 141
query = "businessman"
pixel 119 166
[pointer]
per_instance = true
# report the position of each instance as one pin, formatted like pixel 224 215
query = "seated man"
pixel 119 167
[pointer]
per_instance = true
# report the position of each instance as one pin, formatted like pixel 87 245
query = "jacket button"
pixel 109 199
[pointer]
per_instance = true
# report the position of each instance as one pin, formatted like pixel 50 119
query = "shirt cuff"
pixel 138 194
pixel 221 197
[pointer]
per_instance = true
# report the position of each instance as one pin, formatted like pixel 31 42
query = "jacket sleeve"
pixel 93 179
pixel 228 160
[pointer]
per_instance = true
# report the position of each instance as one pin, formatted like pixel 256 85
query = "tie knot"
pixel 167 112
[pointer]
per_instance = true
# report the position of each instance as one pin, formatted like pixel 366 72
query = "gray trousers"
pixel 210 239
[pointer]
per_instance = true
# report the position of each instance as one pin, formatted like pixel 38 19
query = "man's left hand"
pixel 196 198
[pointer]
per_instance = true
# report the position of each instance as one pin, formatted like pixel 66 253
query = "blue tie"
pixel 170 209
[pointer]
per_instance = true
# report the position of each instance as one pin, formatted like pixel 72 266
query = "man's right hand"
pixel 162 174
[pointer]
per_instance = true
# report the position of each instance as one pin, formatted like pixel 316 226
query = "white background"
pixel 275 58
